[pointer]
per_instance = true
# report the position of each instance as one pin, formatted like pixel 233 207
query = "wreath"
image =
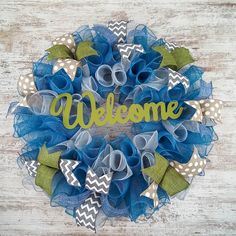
pixel 105 76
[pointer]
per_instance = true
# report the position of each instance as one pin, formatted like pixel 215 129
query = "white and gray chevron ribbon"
pixel 32 167
pixel 170 46
pixel 98 184
pixel 176 78
pixel 119 28
pixel 126 49
pixel 67 167
pixel 86 214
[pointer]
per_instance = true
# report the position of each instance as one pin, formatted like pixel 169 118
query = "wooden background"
pixel 208 28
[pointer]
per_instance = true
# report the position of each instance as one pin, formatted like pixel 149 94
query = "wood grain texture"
pixel 208 28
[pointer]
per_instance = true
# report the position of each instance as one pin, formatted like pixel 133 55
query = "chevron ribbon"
pixel 176 78
pixel 170 46
pixel 67 167
pixel 119 28
pixel 32 167
pixel 98 184
pixel 86 214
pixel 126 49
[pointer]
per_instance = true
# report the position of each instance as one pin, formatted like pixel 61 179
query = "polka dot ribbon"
pixel 67 40
pixel 194 167
pixel 69 65
pixel 210 108
pixel 26 85
pixel 151 192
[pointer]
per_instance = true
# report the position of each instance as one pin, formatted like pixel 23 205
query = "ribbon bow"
pixel 209 108
pixel 166 177
pixel 174 59
pixel 68 55
pixel 46 167
pixel 86 214
pixel 98 184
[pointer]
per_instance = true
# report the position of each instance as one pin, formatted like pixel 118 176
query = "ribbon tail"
pixel 86 214
pixel 127 49
pixel 32 167
pixel 67 167
pixel 176 78
pixel 151 192
pixel 98 184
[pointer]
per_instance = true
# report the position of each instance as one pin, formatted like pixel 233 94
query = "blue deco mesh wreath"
pixel 109 69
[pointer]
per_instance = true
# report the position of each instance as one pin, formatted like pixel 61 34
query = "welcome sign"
pixel 101 116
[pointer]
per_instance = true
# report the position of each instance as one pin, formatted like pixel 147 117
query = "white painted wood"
pixel 208 28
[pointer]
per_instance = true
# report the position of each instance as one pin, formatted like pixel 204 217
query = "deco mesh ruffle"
pixel 95 177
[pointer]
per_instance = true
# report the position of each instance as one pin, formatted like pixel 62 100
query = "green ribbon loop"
pixel 44 178
pixel 175 59
pixel 173 182
pixel 50 160
pixel 167 59
pixel 59 51
pixel 182 57
pixel 84 49
pixel 166 176
pixel 49 165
